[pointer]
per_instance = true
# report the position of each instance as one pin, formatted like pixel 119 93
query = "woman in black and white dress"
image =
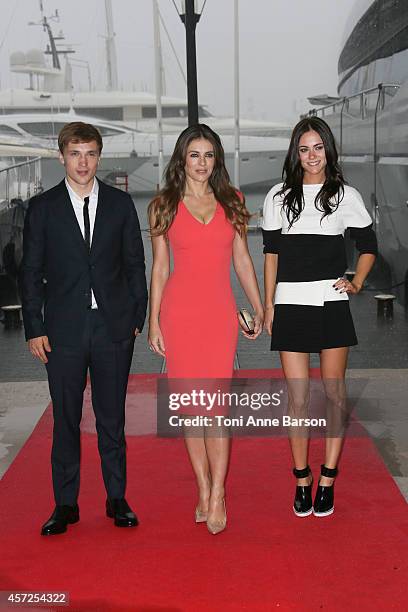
pixel 306 296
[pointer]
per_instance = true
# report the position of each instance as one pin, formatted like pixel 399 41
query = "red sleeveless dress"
pixel 198 316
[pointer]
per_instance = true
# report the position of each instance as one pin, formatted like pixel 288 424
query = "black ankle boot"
pixel 303 506
pixel 324 499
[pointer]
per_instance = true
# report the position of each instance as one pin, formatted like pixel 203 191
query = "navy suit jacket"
pixel 57 271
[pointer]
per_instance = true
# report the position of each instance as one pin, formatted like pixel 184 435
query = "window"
pixel 108 113
pixel 108 131
pixel 203 112
pixel 9 131
pixel 18 110
pixel 175 112
pixel 43 129
pixel 51 129
pixel 399 67
pixel 149 112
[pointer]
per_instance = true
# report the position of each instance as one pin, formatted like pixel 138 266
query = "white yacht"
pixel 370 121
pixel 134 154
pixel 136 110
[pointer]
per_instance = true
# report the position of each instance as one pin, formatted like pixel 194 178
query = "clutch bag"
pixel 246 320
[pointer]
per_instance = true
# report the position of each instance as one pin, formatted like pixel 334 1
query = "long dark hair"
pixel 162 209
pixel 332 191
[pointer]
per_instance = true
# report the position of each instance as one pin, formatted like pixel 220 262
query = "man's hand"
pixel 38 347
pixel 137 332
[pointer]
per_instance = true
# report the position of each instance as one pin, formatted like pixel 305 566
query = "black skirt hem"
pixel 311 329
pixel 310 350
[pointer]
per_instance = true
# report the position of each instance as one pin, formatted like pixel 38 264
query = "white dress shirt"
pixel 78 206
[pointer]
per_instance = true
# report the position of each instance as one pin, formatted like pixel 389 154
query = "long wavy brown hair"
pixel 163 208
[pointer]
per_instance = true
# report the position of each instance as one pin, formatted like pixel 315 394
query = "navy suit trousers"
pixel 108 364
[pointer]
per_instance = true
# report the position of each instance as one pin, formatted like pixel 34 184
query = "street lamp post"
pixel 190 18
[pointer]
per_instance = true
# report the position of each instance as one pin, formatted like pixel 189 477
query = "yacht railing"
pixel 20 181
pixel 370 102
pixel 343 104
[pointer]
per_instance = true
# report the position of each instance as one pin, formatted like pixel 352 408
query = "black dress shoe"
pixel 59 519
pixel 121 512
pixel 324 500
pixel 303 505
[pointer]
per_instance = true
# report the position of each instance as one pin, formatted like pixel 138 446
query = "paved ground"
pixel 21 405
pixel 381 358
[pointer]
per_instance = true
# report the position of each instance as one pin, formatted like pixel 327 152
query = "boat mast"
pixel 52 47
pixel 236 95
pixel 162 73
pixel 163 24
pixel 55 78
pixel 52 50
pixel 111 63
pixel 158 75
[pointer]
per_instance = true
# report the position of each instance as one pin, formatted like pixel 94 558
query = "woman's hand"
pixel 269 314
pixel 155 339
pixel 258 321
pixel 345 286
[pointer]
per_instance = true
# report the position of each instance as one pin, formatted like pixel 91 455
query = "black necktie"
pixel 87 224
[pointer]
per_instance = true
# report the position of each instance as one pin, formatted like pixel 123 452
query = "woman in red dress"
pixel 193 323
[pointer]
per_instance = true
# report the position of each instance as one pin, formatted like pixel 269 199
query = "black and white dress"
pixel 310 315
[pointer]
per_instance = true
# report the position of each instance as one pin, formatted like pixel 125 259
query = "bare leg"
pixel 217 442
pixel 197 453
pixel 296 370
pixel 333 363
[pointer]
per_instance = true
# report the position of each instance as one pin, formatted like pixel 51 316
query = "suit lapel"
pixel 67 214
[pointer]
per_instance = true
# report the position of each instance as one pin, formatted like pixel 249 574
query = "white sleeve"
pixel 354 211
pixel 272 219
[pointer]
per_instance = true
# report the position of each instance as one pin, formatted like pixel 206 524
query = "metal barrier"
pixel 18 182
pixel 21 180
pixel 363 97
pixel 366 106
pixel 369 103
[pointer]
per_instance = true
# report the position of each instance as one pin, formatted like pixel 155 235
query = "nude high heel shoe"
pixel 200 516
pixel 215 527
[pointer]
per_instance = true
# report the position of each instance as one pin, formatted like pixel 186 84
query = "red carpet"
pixel 267 558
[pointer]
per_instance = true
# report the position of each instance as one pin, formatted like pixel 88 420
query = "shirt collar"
pixel 93 193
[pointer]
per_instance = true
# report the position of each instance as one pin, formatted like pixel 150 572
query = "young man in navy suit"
pixel 84 300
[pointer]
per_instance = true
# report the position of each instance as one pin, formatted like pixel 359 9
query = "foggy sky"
pixel 288 48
